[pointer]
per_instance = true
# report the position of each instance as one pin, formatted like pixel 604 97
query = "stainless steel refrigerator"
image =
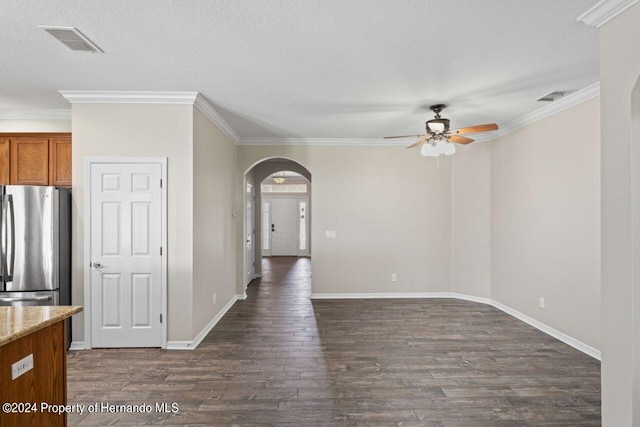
pixel 35 245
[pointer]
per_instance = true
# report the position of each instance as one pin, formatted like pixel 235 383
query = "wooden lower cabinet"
pixel 35 159
pixel 45 383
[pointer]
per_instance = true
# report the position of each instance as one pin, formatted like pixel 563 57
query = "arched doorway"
pixel 285 201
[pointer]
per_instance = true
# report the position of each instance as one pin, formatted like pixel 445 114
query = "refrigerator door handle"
pixel 25 299
pixel 13 240
pixel 3 243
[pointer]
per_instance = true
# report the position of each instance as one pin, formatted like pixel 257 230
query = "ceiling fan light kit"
pixel 435 150
pixel 439 138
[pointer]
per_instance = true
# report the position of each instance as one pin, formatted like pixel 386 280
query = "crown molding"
pixel 604 11
pixel 327 142
pixel 210 113
pixel 128 97
pixel 35 114
pixel 138 97
pixel 199 102
pixel 555 107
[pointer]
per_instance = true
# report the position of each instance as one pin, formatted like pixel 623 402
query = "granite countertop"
pixel 17 322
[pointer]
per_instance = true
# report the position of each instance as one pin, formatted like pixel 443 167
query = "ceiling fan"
pixel 439 137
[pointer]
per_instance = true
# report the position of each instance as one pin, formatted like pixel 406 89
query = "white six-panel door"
pixel 126 239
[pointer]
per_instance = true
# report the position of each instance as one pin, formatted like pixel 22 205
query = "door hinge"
pixel 160 183
pixel 160 250
pixel 160 317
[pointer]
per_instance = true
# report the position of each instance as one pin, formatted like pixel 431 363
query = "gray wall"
pixel 619 72
pixel 390 208
pixel 471 233
pixel 201 184
pixel 141 130
pixel 35 125
pixel 545 221
pixel 214 238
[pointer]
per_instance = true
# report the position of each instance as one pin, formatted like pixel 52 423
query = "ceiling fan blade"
pixel 460 139
pixel 405 136
pixel 419 143
pixel 475 129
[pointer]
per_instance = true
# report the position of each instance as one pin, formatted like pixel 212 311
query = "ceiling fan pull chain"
pixel 438 162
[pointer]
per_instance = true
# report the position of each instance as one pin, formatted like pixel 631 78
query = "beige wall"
pixel 214 238
pixel 390 208
pixel 545 221
pixel 471 233
pixel 141 130
pixel 35 125
pixel 619 72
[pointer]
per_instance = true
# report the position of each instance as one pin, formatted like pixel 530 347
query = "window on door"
pixel 302 207
pixel 265 226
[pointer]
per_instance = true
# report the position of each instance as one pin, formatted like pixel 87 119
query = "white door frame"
pixel 88 163
pixel 267 197
pixel 250 270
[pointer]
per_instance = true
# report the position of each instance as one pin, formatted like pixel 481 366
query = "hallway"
pixel 279 358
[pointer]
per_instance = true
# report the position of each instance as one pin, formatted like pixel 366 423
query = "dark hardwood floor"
pixel 279 358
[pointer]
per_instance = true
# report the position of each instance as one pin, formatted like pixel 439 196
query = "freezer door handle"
pixel 25 299
pixel 3 242
pixel 13 240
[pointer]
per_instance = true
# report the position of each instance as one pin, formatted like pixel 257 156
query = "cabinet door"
pixel 29 161
pixel 4 161
pixel 60 162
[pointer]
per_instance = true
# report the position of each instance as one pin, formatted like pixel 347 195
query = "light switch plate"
pixel 22 366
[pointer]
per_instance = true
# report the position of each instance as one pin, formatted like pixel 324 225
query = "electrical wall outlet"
pixel 394 277
pixel 541 303
pixel 329 234
pixel 214 297
pixel 21 366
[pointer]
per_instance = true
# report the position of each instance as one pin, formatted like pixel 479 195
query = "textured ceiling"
pixel 307 68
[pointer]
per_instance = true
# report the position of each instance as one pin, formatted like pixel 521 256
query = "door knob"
pixel 98 265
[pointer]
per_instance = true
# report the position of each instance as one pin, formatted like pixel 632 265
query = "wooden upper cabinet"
pixel 35 159
pixel 60 162
pixel 29 161
pixel 4 161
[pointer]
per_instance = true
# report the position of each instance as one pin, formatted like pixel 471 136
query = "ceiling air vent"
pixel 73 39
pixel 554 96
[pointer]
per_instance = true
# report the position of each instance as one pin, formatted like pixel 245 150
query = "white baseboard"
pixel 382 295
pixel 242 297
pixel 192 345
pixel 472 298
pixel 578 345
pixel 77 345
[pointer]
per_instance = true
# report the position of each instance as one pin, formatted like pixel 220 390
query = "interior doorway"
pixel 285 216
pixel 281 211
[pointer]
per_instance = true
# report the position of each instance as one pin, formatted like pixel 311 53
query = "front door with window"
pixel 284 227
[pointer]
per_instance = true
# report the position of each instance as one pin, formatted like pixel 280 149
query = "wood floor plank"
pixel 280 359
